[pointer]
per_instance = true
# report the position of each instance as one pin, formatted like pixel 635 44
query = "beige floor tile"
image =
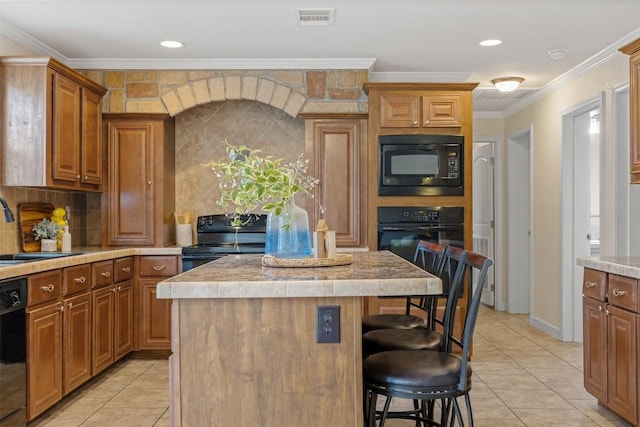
pixel 513 382
pixel 554 417
pixel 570 391
pixel 558 375
pixel 140 417
pixel 593 410
pixel 134 398
pixel 58 422
pixel 533 399
pixel 496 368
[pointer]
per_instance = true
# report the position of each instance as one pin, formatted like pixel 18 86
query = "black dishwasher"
pixel 13 346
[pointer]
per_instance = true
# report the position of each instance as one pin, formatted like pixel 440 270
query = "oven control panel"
pixel 420 216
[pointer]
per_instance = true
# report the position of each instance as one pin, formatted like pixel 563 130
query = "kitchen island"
pixel 245 350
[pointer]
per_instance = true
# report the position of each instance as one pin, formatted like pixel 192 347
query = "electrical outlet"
pixel 328 324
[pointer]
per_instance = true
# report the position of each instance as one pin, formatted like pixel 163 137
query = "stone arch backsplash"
pixel 175 91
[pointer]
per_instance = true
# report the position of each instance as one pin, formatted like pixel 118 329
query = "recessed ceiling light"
pixel 558 53
pixel 490 42
pixel 171 44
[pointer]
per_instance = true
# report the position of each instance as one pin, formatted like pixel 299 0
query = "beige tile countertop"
pixel 80 256
pixel 623 266
pixel 243 276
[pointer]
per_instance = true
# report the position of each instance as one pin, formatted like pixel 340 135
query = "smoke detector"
pixel 315 17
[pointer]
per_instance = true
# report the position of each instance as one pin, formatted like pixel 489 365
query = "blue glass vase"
pixel 288 233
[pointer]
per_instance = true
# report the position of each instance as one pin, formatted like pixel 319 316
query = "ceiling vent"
pixel 315 17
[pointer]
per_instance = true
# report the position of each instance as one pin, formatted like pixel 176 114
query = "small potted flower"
pixel 253 182
pixel 47 232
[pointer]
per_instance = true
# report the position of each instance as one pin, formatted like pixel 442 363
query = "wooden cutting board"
pixel 29 214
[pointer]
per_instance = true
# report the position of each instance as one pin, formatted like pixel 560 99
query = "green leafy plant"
pixel 46 229
pixel 251 181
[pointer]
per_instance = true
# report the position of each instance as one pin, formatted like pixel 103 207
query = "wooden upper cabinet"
pixel 415 111
pixel 49 108
pixel 141 192
pixel 338 146
pixel 633 49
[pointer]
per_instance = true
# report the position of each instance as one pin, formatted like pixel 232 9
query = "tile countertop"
pixel 83 256
pixel 623 266
pixel 243 276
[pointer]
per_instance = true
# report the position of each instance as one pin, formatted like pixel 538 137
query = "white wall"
pixel 10 48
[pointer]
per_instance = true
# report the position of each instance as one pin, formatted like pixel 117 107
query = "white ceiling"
pixel 401 40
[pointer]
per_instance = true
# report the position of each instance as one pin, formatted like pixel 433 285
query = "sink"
pixel 7 262
pixel 32 256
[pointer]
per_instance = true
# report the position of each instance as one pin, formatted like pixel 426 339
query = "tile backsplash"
pixel 84 222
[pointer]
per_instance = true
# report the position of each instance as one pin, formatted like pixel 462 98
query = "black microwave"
pixel 421 165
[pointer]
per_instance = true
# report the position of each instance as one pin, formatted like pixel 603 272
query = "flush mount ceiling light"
pixel 507 84
pixel 173 44
pixel 490 42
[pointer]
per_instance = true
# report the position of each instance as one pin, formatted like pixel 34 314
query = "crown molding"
pixel 427 77
pixel 224 64
pixel 488 115
pixel 17 35
pixel 580 69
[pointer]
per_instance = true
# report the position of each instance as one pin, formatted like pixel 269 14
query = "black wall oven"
pixel 421 165
pixel 400 228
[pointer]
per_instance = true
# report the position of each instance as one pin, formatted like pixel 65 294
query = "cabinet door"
pixel 622 363
pixel 338 148
pixel 155 317
pixel 77 341
pixel 594 347
pixel 65 131
pixel 92 147
pixel 44 359
pixel 103 301
pixel 441 111
pixel 123 319
pixel 130 197
pixel 399 111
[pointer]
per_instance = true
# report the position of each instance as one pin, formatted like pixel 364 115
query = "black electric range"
pixel 216 237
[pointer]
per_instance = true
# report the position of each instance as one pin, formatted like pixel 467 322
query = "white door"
pixel 518 218
pixel 483 211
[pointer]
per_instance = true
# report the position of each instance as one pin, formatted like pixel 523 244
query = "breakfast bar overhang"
pixel 245 350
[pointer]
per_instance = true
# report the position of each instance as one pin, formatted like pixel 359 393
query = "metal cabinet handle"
pixel 415 122
pixel 80 279
pixel 70 304
pixel 158 267
pixel 106 274
pixel 126 269
pixel 113 289
pixel 426 122
pixel 588 284
pixel 619 293
pixel 49 288
pixel 119 288
pixel 599 308
pixel 77 177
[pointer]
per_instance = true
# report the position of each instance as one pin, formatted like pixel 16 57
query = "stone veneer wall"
pixel 174 91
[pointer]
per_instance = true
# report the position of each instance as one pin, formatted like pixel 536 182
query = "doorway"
pixel 484 211
pixel 581 205
pixel 519 288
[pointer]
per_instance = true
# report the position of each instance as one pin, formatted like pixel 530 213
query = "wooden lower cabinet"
pixel 610 336
pixel 155 317
pixel 76 320
pixel 112 324
pixel 44 358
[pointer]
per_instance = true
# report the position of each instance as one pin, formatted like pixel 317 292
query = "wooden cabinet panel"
pixel 155 318
pixel 141 191
pixel 77 341
pixel 622 363
pixel 76 279
pixel 399 111
pixel 103 303
pixel 102 274
pixel 123 319
pixel 633 49
pixel 58 132
pixel 44 358
pixel 441 111
pixel 595 347
pixel 623 292
pixel 158 266
pixel 92 151
pixel 594 284
pixel 338 146
pixel 44 287
pixel 122 269
pixel 66 126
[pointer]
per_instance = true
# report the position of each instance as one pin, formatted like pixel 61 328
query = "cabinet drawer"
pixel 43 287
pixel 102 272
pixel 158 266
pixel 122 269
pixel 594 284
pixel 76 279
pixel 623 292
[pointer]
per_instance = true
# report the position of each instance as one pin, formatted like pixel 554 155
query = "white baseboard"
pixel 550 329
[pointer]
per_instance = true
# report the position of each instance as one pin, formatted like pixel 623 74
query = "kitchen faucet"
pixel 8 215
